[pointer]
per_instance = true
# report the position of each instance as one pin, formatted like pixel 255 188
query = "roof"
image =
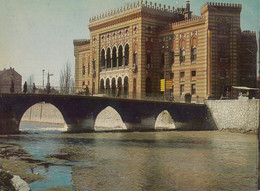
pixel 78 42
pixel 244 88
pixel 8 70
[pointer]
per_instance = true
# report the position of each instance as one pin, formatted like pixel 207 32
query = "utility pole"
pixel 48 78
pixel 43 78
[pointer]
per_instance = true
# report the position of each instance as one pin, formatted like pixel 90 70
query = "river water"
pixel 175 160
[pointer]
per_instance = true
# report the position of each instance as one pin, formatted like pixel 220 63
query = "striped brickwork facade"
pixel 136 46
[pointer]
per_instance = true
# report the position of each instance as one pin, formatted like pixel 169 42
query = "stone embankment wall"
pixel 43 112
pixel 235 115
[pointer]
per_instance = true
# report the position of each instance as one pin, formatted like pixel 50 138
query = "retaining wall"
pixel 235 115
pixel 43 112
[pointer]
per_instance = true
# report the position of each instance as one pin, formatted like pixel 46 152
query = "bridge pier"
pixel 9 123
pixel 145 123
pixel 81 125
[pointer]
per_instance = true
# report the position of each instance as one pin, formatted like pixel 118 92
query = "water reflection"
pixel 145 161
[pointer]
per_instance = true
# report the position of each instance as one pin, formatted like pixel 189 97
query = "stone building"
pixel 6 77
pixel 132 48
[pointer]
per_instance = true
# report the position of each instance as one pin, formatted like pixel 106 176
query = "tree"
pixel 66 79
pixel 30 82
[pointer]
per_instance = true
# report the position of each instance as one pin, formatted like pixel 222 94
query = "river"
pixel 175 160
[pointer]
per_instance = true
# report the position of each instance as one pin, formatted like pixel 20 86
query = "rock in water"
pixel 20 184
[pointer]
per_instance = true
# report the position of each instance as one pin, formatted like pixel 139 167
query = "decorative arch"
pixel 114 57
pixel 102 86
pixel 120 55
pixel 109 120
pixel 107 86
pixel 164 121
pixel 126 55
pixel 126 86
pixel 108 57
pixel 119 87
pixel 102 58
pixel 113 87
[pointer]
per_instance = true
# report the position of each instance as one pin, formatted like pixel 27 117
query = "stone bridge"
pixel 88 113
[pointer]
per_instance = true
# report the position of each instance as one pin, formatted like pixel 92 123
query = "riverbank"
pixel 14 160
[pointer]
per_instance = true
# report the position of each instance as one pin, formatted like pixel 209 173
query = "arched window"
pixel 148 86
pixel 134 87
pixel 113 87
pixel 107 86
pixel 148 60
pixel 120 56
pixel 119 87
pixel 182 55
pixel 193 54
pixel 126 55
pixel 102 59
pixel 114 59
pixel 102 86
pixel 162 60
pixel 171 58
pixel 108 58
pixel 126 86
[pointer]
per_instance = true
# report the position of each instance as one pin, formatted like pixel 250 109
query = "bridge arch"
pixel 109 120
pixel 43 113
pixel 164 121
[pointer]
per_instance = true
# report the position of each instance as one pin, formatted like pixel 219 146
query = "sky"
pixel 39 34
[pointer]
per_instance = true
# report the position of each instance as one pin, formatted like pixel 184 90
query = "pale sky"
pixel 39 34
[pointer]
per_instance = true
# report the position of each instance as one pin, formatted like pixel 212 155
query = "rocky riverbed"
pixel 17 169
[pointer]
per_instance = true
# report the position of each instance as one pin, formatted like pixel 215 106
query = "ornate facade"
pixel 132 48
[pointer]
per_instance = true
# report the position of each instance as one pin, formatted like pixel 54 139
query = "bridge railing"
pixel 56 90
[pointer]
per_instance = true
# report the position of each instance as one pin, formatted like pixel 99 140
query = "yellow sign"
pixel 162 85
pixel 169 84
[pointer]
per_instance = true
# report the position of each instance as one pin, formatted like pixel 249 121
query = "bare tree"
pixel 30 82
pixel 66 79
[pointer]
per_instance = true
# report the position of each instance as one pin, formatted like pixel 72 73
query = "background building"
pixel 6 76
pixel 132 48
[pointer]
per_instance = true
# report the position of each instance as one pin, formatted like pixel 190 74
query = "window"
pixel 193 54
pixel 182 56
pixel 181 89
pixel 182 74
pixel 148 60
pixel 126 54
pixel 162 60
pixel 193 73
pixel 83 83
pixel 171 76
pixel 193 89
pixel 102 62
pixel 171 57
pixel 83 70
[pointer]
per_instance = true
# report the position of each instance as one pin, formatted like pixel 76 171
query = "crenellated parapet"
pixel 234 5
pixel 248 32
pixel 189 21
pixel 140 4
